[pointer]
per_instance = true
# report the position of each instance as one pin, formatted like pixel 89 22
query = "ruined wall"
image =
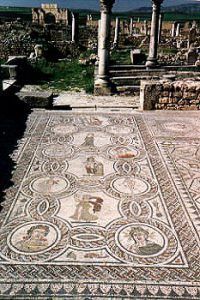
pixel 181 95
pixel 48 12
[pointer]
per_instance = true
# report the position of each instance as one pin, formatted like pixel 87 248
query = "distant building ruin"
pixel 51 13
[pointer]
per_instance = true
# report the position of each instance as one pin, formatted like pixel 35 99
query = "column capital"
pixel 106 5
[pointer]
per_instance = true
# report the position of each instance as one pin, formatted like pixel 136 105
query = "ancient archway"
pixel 49 18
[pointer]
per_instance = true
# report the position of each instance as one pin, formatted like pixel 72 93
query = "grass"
pixel 163 50
pixel 121 57
pixel 64 76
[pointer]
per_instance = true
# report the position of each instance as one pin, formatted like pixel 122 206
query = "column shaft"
pixel 117 29
pixel 160 27
pixel 153 47
pixel 102 84
pixel 104 45
pixel 73 28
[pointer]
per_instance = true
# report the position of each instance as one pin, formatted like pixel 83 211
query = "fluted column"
pixel 153 47
pixel 102 83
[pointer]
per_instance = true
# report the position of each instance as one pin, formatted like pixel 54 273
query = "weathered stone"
pixel 36 99
pixel 137 57
pixel 192 56
pixel 164 100
pixel 149 94
pixel 194 101
pixel 178 94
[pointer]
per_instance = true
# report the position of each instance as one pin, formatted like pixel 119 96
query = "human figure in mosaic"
pixel 89 140
pixel 86 208
pixel 35 239
pixel 94 167
pixel 129 182
pixel 142 245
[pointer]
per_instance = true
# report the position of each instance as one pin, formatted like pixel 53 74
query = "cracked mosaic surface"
pixel 103 205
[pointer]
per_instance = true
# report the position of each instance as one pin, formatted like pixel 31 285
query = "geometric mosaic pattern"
pixel 103 206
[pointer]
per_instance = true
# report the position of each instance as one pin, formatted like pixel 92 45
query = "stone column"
pixel 178 29
pixel 173 32
pixel 102 83
pixel 74 28
pixel 153 47
pixel 99 37
pixel 117 29
pixel 131 26
pixel 160 27
pixel 145 27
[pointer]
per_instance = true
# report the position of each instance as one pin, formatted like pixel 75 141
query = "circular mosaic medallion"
pixel 122 152
pixel 64 129
pixel 129 185
pixel 177 127
pixel 58 151
pixel 33 237
pixel 49 184
pixel 149 243
pixel 119 129
pixel 141 240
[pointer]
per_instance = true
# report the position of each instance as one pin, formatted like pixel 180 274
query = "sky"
pixel 92 4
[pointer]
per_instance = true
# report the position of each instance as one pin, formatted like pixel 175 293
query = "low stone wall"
pixel 177 95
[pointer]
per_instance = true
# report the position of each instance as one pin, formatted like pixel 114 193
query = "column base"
pixel 152 63
pixel 103 87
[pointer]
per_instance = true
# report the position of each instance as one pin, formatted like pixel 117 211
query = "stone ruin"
pixel 50 13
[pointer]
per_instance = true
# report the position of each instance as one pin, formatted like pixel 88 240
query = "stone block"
pixel 188 96
pixel 178 94
pixel 194 101
pixel 149 94
pixel 36 99
pixel 137 57
pixel 164 100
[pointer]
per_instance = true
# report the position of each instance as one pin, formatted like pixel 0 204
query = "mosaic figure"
pixel 35 239
pixel 47 185
pixel 94 167
pixel 89 140
pixel 129 182
pixel 86 208
pixel 94 121
pixel 142 244
pixel 122 152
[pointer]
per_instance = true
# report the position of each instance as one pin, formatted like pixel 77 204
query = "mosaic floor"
pixel 103 206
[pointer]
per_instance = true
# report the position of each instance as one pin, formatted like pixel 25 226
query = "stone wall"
pixel 181 95
pixel 166 95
